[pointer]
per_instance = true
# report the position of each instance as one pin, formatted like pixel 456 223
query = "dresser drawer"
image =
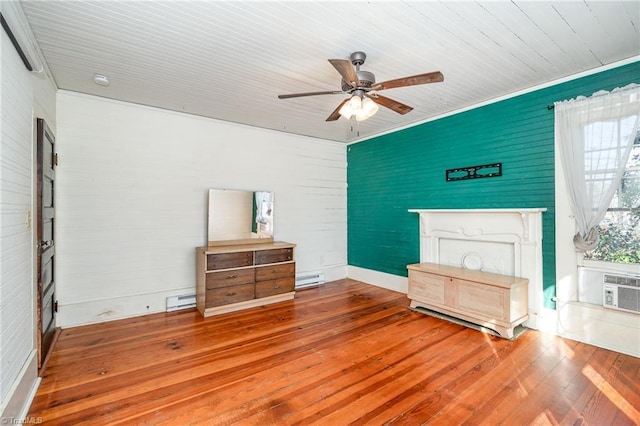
pixel 229 278
pixel 273 256
pixel 229 260
pixel 227 295
pixel 271 287
pixel 266 273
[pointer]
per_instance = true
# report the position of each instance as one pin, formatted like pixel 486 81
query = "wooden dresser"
pixel 498 302
pixel 235 277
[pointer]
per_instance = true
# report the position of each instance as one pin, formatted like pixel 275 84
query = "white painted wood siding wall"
pixel 132 188
pixel 24 95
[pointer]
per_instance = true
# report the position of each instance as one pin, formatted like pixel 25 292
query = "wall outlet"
pixel 27 219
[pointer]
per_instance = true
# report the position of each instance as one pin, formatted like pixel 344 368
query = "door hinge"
pixel 54 158
pixel 55 306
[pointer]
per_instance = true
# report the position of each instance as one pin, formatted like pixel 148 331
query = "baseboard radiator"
pixel 309 280
pixel 175 303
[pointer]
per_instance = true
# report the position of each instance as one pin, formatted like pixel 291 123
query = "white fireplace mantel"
pixel 503 241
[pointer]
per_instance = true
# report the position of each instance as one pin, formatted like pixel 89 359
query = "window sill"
pixel 625 268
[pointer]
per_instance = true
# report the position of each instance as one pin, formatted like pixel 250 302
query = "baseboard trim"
pixel 22 392
pixel 103 310
pixel 380 279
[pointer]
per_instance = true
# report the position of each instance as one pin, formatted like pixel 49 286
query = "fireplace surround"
pixel 502 241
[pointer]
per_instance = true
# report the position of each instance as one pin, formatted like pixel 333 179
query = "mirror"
pixel 237 217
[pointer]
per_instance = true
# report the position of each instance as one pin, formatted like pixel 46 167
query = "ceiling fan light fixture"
pixel 360 107
pixel 352 107
pixel 367 110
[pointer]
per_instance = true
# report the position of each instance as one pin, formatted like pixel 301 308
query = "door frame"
pixel 45 342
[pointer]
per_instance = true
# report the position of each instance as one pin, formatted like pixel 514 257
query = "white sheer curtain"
pixel 595 136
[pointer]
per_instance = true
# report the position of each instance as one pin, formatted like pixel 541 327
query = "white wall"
pixel 25 96
pixel 131 191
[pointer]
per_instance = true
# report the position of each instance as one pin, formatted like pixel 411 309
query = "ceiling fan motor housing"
pixel 365 81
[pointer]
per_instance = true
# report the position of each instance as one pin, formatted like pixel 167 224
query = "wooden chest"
pixel 494 301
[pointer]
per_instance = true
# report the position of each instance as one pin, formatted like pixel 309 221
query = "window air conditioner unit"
pixel 621 292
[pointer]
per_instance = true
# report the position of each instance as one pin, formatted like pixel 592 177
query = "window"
pixel 620 228
pixel 595 137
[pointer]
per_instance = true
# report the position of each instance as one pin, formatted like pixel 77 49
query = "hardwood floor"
pixel 342 353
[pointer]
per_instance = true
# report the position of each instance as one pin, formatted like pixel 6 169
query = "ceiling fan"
pixel 362 87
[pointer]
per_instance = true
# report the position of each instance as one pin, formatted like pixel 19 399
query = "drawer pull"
pixel 231 294
pixel 276 286
pixel 230 277
pixel 275 271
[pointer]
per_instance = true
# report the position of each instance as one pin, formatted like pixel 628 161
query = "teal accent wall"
pixel 390 174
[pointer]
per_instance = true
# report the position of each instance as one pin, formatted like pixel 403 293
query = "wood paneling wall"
pixel 24 96
pixel 132 194
pixel 406 169
pixel 16 318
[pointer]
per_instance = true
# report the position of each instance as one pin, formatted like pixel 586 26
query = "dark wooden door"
pixel 46 298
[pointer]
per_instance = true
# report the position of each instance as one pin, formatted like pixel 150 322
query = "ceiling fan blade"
pixel 432 77
pixel 346 70
pixel 336 112
pixel 396 106
pixel 298 95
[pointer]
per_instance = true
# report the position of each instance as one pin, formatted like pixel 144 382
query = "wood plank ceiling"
pixel 229 60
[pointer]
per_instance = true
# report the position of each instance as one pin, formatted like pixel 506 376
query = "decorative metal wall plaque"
pixel 474 172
